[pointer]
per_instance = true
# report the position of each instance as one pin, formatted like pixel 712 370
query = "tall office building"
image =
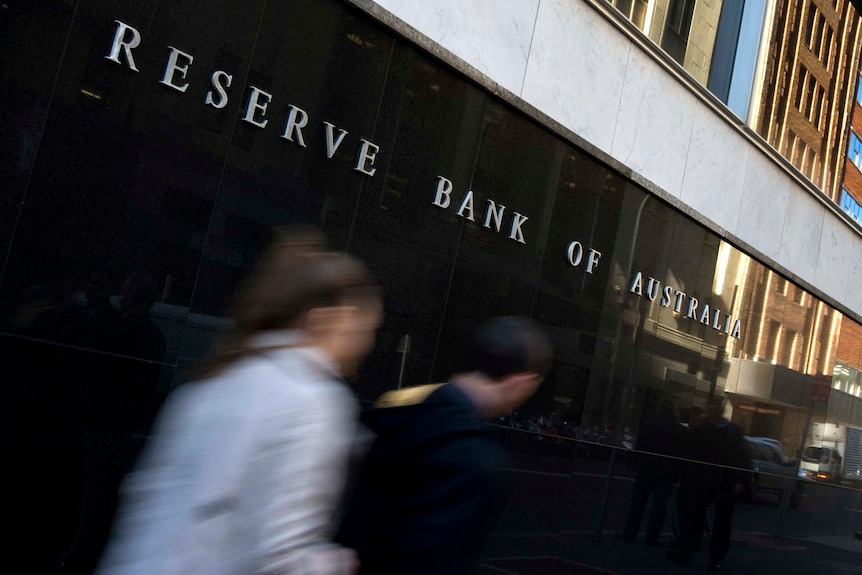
pixel 809 93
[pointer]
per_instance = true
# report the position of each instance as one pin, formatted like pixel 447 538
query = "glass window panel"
pixel 854 151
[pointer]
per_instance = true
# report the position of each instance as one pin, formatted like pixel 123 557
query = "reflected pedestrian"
pixel 247 464
pixel 719 478
pixel 428 485
pixel 655 474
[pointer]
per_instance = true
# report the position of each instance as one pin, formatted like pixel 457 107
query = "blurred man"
pixel 429 482
pixel 720 477
pixel 655 475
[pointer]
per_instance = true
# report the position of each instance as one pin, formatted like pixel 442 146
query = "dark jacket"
pixel 426 488
pixel 665 437
pixel 723 447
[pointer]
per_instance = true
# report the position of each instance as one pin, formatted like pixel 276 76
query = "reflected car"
pixel 772 468
pixel 820 464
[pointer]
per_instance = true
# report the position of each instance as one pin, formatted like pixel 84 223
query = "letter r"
pixel 120 43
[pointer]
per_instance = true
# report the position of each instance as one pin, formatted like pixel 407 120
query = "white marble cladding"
pixel 576 70
pixel 569 62
pixel 493 36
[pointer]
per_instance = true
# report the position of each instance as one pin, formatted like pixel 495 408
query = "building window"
pixel 817 34
pixel 817 105
pixel 854 152
pixel 810 20
pixel 679 16
pixel 808 163
pixel 813 23
pixel 803 87
pixel 798 154
pixel 859 91
pixel 634 10
pixel 851 206
pixel 825 54
pixel 677 27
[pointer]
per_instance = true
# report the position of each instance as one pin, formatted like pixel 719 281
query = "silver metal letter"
pixel 217 78
pixel 735 332
pixel 366 158
pixel 715 324
pixel 665 298
pixel 652 288
pixel 575 253
pixel 637 284
pixel 444 188
pixel 704 315
pixel 516 233
pixel 492 212
pixel 467 204
pixel 172 66
pixel 332 146
pixel 692 307
pixel 254 105
pixel 294 125
pixel 593 260
pixel 125 46
pixel 727 319
pixel 678 303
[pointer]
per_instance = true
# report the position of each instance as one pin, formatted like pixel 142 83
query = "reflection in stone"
pixel 78 417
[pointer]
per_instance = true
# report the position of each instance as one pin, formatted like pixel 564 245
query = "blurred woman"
pixel 247 464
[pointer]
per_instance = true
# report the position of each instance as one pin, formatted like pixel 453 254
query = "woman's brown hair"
pixel 296 273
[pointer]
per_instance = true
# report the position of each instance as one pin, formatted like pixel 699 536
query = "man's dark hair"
pixel 505 346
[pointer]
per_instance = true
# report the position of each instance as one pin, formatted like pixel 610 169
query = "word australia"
pixel 670 295
pixel 493 216
pixel 127 38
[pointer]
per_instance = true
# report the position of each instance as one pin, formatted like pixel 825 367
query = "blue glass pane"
pixel 854 152
pixel 851 206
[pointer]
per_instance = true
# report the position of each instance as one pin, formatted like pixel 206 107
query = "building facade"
pixel 810 93
pixel 851 189
pixel 542 158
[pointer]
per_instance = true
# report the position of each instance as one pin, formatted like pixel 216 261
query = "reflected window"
pixel 812 454
pixel 677 29
pixel 859 91
pixel 851 206
pixel 854 152
pixel 634 10
pixel 847 378
pixel 679 17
